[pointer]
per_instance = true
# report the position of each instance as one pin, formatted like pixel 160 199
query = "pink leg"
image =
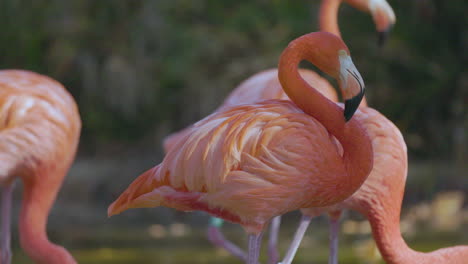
pixel 305 221
pixel 255 242
pixel 333 236
pixel 273 255
pixel 6 224
pixel 217 238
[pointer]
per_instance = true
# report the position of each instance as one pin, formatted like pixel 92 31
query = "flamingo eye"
pixel 342 53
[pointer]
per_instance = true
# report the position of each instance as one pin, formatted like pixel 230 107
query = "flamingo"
pixel 265 85
pixel 249 163
pixel 40 128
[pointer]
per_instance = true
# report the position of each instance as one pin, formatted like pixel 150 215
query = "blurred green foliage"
pixel 141 69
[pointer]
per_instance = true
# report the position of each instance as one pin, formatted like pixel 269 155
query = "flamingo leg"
pixel 216 237
pixel 273 255
pixel 5 242
pixel 255 242
pixel 333 236
pixel 304 223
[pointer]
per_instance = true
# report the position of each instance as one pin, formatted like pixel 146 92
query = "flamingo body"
pixel 380 198
pixel 40 128
pixel 243 161
pixel 385 185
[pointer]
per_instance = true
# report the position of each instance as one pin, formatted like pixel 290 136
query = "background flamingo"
pixel 274 157
pixel 382 14
pixel 40 128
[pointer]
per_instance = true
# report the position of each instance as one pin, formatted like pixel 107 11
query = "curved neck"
pixel 394 250
pixel 328 16
pixel 358 155
pixel 38 198
pixel 385 226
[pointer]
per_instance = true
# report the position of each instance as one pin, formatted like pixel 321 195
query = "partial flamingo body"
pixel 249 163
pixel 40 128
pixel 380 198
pixel 383 189
pixel 231 157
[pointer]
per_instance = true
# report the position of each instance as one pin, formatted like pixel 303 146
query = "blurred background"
pixel 140 70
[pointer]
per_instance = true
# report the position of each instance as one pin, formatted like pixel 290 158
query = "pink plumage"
pixel 250 163
pixel 40 129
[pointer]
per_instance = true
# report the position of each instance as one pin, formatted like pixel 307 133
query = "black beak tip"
pixel 351 105
pixel 382 36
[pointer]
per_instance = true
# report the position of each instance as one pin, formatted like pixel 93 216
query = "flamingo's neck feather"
pixel 321 49
pixel 38 197
pixel 328 16
pixel 386 231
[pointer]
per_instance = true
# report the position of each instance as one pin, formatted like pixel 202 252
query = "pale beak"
pixel 384 19
pixel 382 36
pixel 355 83
pixel 351 85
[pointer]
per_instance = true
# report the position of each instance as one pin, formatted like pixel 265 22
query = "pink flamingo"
pixel 249 163
pixel 40 129
pixel 265 85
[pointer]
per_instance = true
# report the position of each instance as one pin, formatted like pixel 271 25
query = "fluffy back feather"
pixel 253 161
pixel 38 120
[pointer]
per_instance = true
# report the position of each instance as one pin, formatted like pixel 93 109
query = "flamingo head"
pixel 384 18
pixel 350 83
pixel 341 67
pixel 329 54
